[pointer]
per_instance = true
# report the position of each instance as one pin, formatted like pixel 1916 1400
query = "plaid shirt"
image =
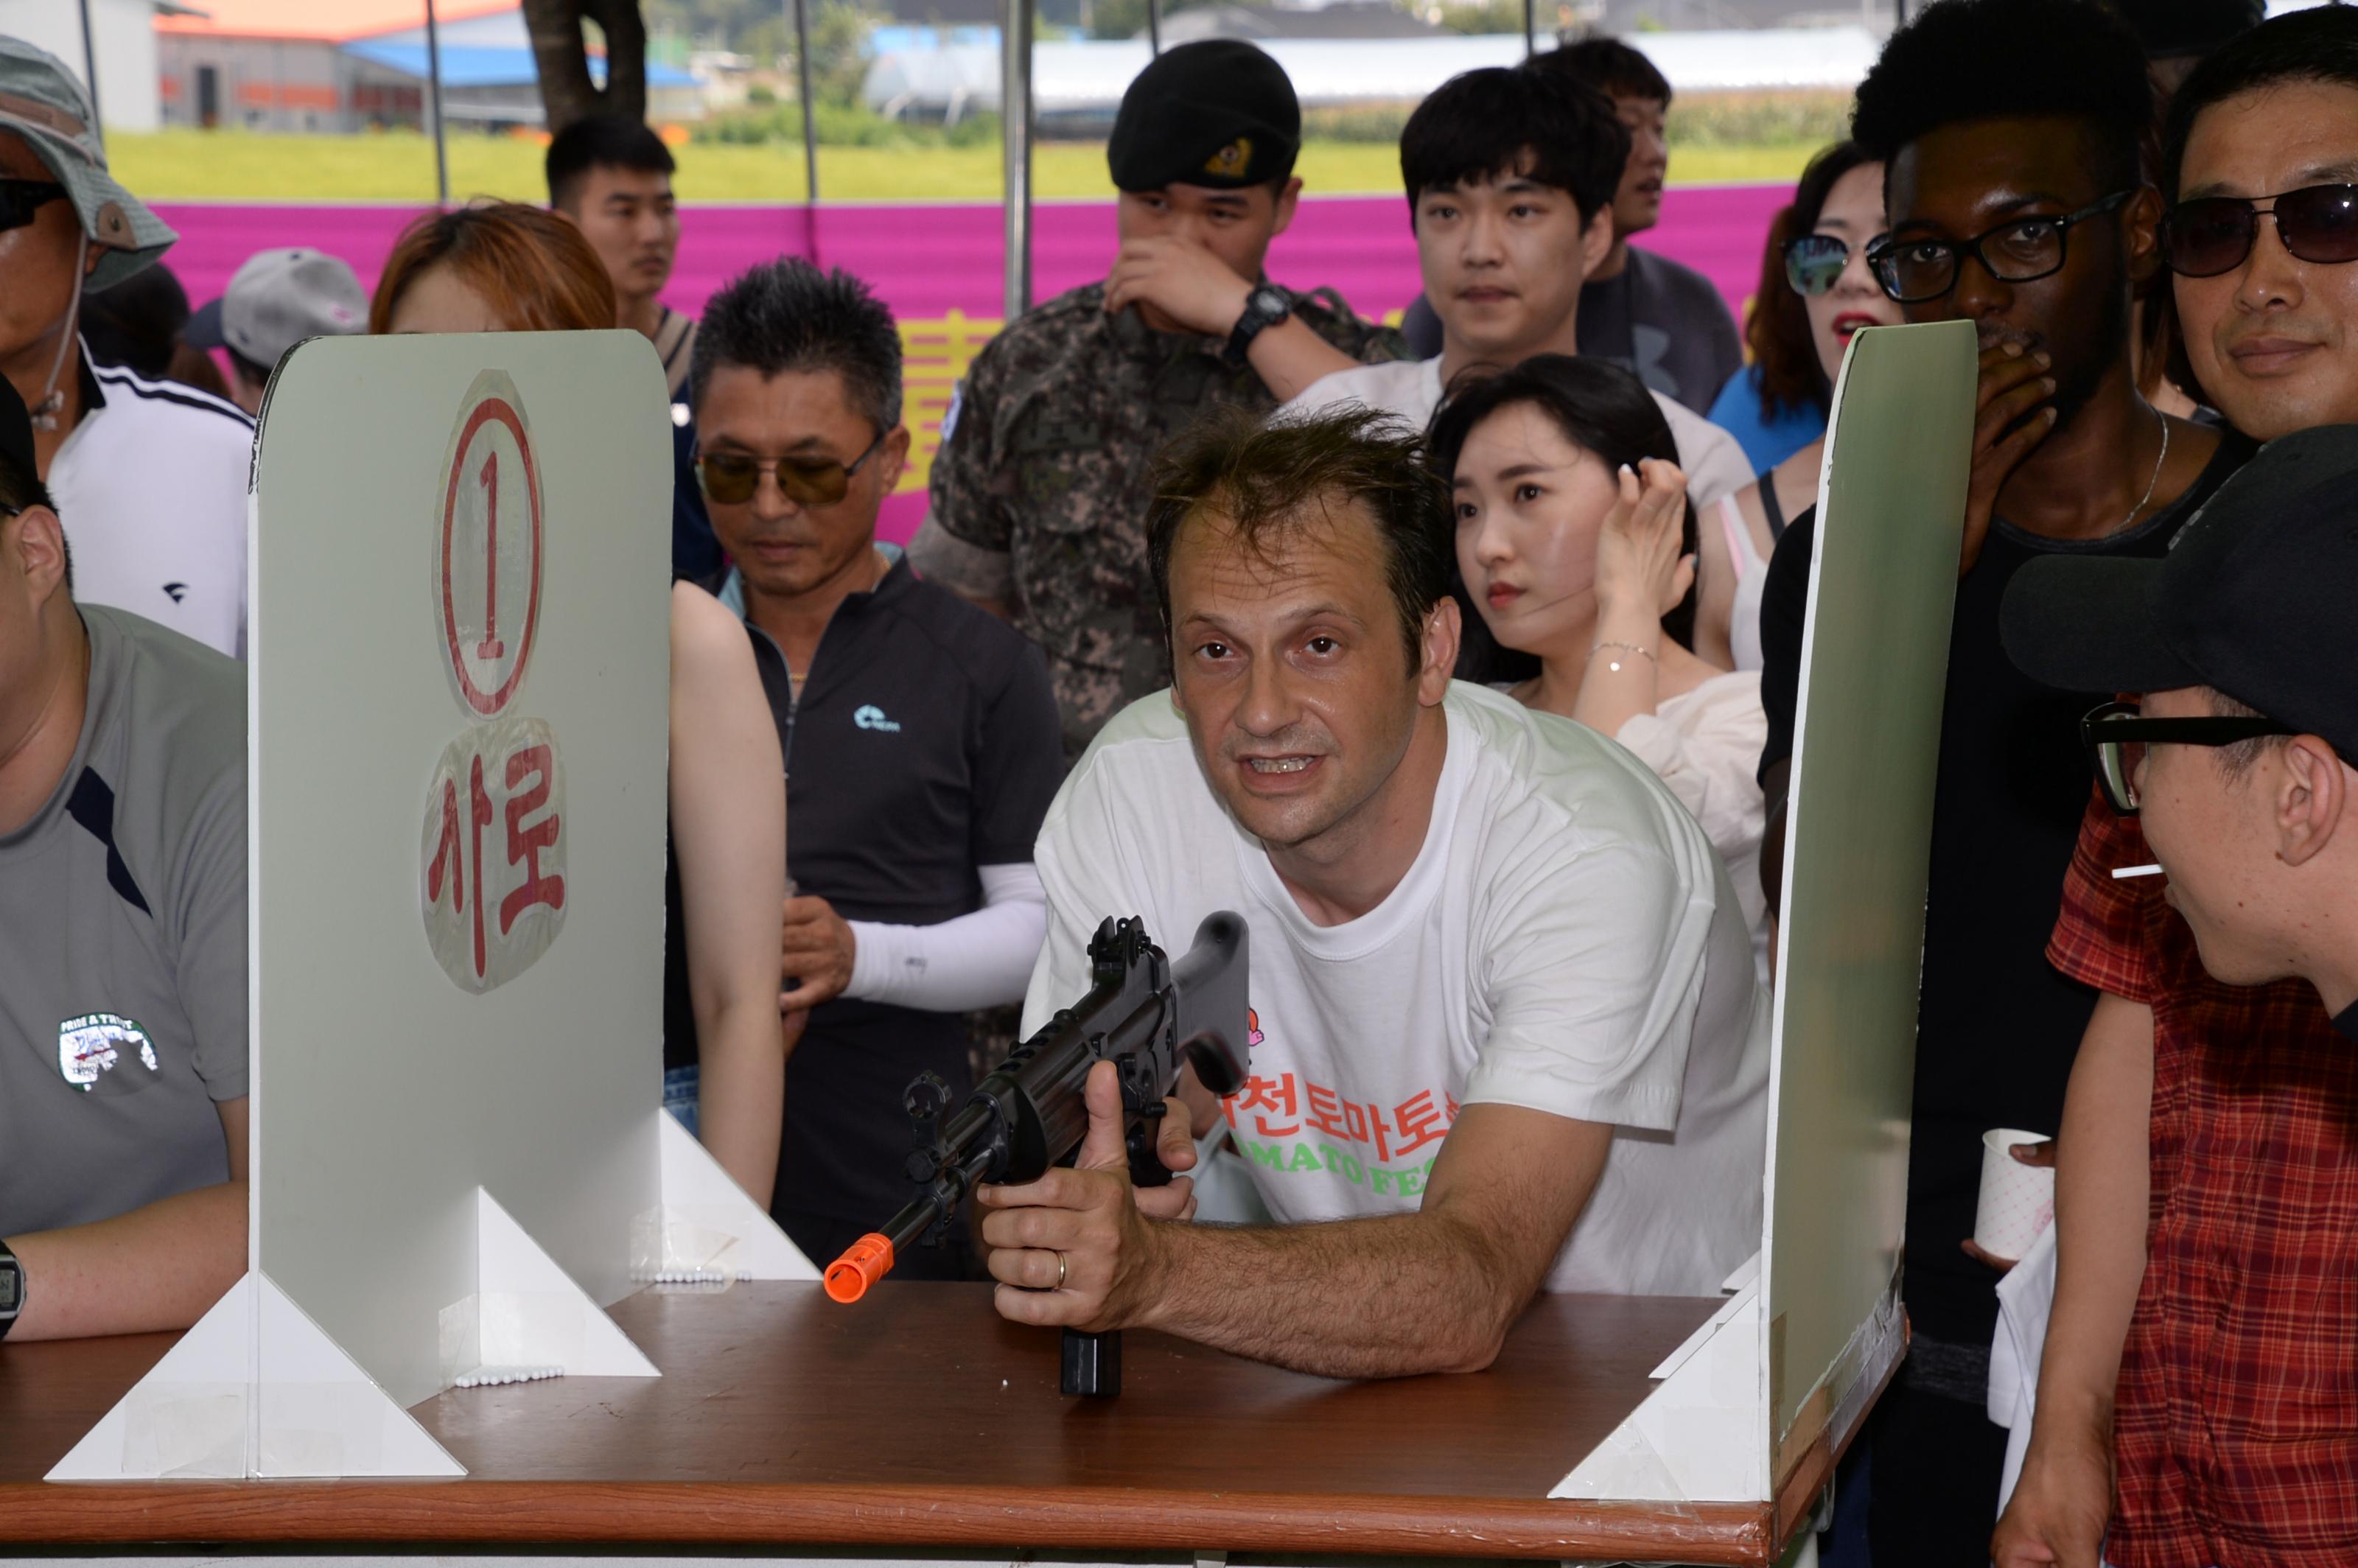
pixel 2237 1436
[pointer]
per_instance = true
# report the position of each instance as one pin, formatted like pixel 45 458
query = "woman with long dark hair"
pixel 1576 573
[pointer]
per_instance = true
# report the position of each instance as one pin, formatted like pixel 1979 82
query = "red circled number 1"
pixel 491 647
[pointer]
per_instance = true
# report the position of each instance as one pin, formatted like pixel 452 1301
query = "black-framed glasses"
pixel 730 478
pixel 1914 271
pixel 2212 234
pixel 2117 734
pixel 1814 264
pixel 20 199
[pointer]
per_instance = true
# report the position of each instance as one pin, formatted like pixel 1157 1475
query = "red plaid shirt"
pixel 2236 1439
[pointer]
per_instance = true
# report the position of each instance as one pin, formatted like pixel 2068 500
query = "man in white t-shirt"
pixel 1506 1033
pixel 152 474
pixel 1511 173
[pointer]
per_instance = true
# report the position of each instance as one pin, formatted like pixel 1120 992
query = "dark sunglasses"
pixel 1814 264
pixel 20 199
pixel 731 478
pixel 2117 734
pixel 2212 234
pixel 1916 271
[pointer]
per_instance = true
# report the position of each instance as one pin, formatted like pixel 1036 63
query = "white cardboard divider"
pixel 1815 1316
pixel 189 1415
pixel 527 1312
pixel 709 1224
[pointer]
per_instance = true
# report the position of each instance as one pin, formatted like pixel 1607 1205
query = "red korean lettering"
pixel 525 844
pixel 447 861
pixel 478 815
pixel 1267 1093
pixel 1327 1112
pixel 1419 1121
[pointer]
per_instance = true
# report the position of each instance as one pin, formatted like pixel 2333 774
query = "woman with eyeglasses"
pixel 1576 581
pixel 1815 291
pixel 502 267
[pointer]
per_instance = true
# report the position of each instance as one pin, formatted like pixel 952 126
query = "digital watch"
pixel 12 1290
pixel 1265 307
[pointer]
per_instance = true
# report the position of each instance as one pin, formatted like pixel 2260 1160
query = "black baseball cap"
pixel 2258 598
pixel 16 433
pixel 1218 112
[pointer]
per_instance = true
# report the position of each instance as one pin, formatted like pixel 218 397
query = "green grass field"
pixel 399 166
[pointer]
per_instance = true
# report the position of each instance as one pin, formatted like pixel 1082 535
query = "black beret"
pixel 1218 112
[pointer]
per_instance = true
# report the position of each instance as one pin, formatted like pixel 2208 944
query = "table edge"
pixel 1095 1517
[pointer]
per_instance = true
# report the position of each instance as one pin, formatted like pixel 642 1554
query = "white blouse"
pixel 1705 744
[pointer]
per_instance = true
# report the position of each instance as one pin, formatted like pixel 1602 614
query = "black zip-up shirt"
pixel 924 744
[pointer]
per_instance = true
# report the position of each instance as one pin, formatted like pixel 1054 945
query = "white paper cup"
pixel 2018 1201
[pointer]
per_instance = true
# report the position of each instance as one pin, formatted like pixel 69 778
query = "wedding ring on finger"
pixel 1063 1269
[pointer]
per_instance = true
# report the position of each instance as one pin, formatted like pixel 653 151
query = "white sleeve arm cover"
pixel 976 960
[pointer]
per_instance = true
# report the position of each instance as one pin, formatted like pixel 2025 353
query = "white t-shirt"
pixel 1565 941
pixel 1705 744
pixel 151 488
pixel 1713 463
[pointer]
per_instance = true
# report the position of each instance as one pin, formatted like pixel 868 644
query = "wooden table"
pixel 919 1418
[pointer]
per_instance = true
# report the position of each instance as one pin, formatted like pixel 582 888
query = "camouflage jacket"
pixel 1046 460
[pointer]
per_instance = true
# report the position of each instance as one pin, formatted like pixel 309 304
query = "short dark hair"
pixel 787 315
pixel 1602 410
pixel 1483 125
pixel 1611 67
pixel 1264 480
pixel 21 492
pixel 2320 45
pixel 1961 61
pixel 602 141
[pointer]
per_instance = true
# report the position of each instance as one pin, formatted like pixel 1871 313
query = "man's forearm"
pixel 157 1267
pixel 1288 356
pixel 2101 1191
pixel 1387 1297
pixel 740 1097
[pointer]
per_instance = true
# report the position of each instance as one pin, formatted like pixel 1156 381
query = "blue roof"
pixel 480 67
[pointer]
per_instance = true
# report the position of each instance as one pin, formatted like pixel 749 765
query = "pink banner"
pixel 929 261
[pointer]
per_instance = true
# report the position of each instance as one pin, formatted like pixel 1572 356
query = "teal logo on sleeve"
pixel 103 1048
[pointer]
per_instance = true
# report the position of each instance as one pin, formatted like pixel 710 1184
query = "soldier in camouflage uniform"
pixel 1038 504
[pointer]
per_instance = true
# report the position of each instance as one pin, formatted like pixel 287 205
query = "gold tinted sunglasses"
pixel 730 478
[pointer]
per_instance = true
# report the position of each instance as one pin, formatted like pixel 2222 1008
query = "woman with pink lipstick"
pixel 1798 341
pixel 1576 552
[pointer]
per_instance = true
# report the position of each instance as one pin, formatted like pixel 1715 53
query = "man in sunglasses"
pixel 1040 491
pixel 153 474
pixel 2009 131
pixel 2198 1378
pixel 920 738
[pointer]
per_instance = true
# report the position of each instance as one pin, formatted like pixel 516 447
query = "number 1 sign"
pixel 492 867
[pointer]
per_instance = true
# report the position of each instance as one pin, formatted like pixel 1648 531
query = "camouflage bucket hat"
pixel 41 101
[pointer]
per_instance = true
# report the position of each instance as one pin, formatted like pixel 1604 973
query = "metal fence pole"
pixel 1154 27
pixel 90 64
pixel 434 106
pixel 1530 29
pixel 810 125
pixel 1015 121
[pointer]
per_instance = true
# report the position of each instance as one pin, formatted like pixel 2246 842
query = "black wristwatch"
pixel 1266 306
pixel 12 1290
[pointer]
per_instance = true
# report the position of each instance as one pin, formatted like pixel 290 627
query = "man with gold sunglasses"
pixel 920 737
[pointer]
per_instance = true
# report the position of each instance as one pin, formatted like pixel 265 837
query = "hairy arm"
pixel 728 829
pixel 157 1267
pixel 1436 1290
pixel 2060 1510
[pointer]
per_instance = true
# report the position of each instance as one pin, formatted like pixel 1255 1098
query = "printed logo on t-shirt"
pixel 868 716
pixel 176 592
pixel 1290 1125
pixel 100 1050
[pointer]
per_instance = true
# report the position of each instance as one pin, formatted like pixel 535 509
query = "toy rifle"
pixel 1146 1015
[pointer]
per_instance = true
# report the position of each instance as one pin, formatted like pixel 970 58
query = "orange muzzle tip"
pixel 863 1263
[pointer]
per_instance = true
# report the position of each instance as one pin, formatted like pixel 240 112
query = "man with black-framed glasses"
pixel 921 742
pixel 2010 133
pixel 2196 1392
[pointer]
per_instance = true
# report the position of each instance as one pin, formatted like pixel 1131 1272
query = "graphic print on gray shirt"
pixel 123 1002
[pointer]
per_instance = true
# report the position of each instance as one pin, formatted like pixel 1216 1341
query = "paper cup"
pixel 2018 1201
